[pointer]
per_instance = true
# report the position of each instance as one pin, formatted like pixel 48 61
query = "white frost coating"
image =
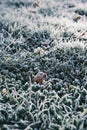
pixel 60 21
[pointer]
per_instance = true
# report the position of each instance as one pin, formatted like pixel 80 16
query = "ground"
pixel 47 36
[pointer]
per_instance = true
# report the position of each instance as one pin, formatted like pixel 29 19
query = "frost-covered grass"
pixel 59 28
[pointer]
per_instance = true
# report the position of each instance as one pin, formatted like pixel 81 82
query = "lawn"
pixel 47 37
